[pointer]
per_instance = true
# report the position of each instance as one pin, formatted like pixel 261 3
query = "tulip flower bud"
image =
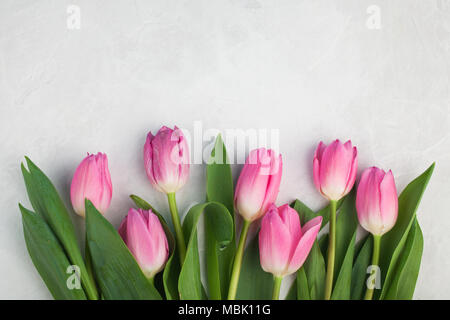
pixel 258 183
pixel 377 201
pixel 91 181
pixel 166 158
pixel 283 244
pixel 335 169
pixel 145 237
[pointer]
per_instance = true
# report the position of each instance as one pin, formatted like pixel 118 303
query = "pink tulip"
pixel 335 169
pixel 377 201
pixel 283 244
pixel 143 234
pixel 166 158
pixel 258 184
pixel 91 181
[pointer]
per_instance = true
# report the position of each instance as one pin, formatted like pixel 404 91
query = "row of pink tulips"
pixel 284 243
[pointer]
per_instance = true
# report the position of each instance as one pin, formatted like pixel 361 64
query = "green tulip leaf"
pixel 342 286
pixel 118 274
pixel 219 188
pixel 292 292
pixel 47 203
pixel 301 285
pixel 220 221
pixel 359 272
pixel 311 276
pixel 49 258
pixel 323 245
pixel 393 242
pixel 407 271
pixel 254 282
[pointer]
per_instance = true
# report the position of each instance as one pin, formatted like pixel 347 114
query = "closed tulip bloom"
pixel 377 201
pixel 166 158
pixel 258 184
pixel 284 245
pixel 91 181
pixel 335 168
pixel 143 234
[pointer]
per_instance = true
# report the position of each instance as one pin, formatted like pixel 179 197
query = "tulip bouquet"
pixel 251 244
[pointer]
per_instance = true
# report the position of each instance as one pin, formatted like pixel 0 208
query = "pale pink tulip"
pixel 377 201
pixel 335 169
pixel 258 184
pixel 143 234
pixel 283 244
pixel 166 159
pixel 91 181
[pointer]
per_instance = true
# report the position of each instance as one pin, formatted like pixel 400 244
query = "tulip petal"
pixel 91 181
pixel 334 170
pixel 291 220
pixel 166 158
pixel 140 243
pixel 251 188
pixel 274 243
pixel 310 231
pixel 389 202
pixel 123 230
pixel 273 184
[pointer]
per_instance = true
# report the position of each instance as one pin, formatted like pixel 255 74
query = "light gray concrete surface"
pixel 374 71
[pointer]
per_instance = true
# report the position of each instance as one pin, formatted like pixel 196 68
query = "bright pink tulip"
pixel 377 201
pixel 143 234
pixel 166 158
pixel 335 169
pixel 258 184
pixel 91 181
pixel 283 244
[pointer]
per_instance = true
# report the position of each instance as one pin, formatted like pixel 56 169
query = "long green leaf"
pixel 118 274
pixel 254 282
pixel 221 222
pixel 292 292
pixel 48 257
pixel 342 287
pixel 301 285
pixel 346 225
pixel 219 188
pixel 314 266
pixel 392 243
pixel 407 270
pixel 323 245
pixel 359 272
pixel 46 202
pixel 172 268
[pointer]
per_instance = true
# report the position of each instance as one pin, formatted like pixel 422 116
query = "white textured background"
pixel 312 69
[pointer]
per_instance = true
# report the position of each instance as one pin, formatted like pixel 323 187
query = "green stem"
pixel 238 261
pixel 375 260
pixel 181 244
pixel 276 287
pixel 331 251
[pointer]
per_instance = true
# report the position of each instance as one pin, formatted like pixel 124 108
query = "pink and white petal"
pixel 389 202
pixel 139 242
pixel 123 230
pixel 291 220
pixel 334 170
pixel 274 242
pixel 273 185
pixel 352 174
pixel 310 231
pixel 159 242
